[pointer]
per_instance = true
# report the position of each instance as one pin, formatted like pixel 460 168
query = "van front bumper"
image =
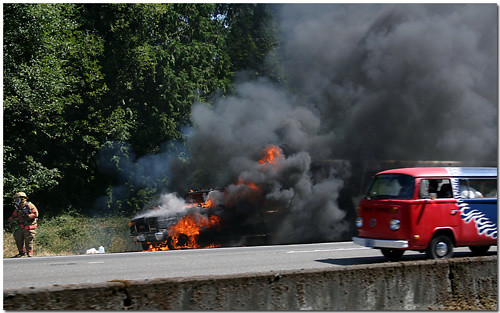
pixel 149 237
pixel 380 243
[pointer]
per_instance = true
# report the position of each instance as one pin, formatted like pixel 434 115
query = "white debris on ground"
pixel 94 251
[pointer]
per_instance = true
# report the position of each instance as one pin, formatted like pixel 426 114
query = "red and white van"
pixel 429 209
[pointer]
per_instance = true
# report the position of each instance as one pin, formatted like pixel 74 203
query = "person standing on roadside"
pixel 26 215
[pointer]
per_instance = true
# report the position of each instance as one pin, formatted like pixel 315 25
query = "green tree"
pixel 91 89
pixel 52 83
pixel 252 39
pixel 158 60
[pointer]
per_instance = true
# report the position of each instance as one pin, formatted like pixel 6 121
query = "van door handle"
pixel 453 212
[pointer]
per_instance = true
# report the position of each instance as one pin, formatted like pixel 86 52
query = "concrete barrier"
pixel 459 283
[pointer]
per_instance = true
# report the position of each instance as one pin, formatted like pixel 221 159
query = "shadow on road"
pixel 354 261
pixel 382 259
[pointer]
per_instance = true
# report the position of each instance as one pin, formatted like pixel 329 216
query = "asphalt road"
pixel 78 269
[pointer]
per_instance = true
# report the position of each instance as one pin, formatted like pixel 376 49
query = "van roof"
pixel 445 171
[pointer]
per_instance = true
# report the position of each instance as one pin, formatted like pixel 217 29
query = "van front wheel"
pixel 441 247
pixel 392 254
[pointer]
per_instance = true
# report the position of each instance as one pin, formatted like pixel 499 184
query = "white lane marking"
pixel 96 262
pixel 327 250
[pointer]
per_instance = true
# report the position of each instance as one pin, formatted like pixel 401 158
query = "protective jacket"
pixel 26 216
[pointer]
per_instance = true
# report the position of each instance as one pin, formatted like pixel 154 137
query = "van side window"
pixel 478 188
pixel 435 188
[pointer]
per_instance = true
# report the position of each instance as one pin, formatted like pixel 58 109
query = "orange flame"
pixel 188 228
pixel 251 185
pixel 271 156
pixel 272 153
pixel 208 204
pixel 158 247
pixel 184 234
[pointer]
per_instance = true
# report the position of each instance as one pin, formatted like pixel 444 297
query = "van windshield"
pixel 391 186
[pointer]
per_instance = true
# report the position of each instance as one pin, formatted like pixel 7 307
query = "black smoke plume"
pixel 414 82
pixel 377 81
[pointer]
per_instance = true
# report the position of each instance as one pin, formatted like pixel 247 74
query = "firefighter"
pixel 26 215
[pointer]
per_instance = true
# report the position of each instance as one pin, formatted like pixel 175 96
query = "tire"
pixel 441 247
pixel 392 254
pixel 479 250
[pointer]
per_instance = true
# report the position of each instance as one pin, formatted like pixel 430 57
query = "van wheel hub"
pixel 441 249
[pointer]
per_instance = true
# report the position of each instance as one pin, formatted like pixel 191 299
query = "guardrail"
pixel 458 283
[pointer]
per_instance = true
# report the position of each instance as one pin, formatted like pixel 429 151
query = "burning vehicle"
pixel 204 223
pixel 158 230
pixel 234 216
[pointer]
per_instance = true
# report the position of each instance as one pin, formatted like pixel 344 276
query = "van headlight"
pixel 395 224
pixel 359 222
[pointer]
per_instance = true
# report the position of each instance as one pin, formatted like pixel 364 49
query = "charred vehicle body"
pixel 203 222
pixel 152 230
pixel 154 227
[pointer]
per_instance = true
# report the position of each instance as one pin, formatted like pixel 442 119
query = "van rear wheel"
pixel 441 247
pixel 392 254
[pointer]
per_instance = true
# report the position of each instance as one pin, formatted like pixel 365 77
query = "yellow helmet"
pixel 20 195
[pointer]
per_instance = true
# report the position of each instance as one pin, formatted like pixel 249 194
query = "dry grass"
pixel 72 234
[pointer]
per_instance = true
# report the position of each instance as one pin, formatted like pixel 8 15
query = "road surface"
pixel 95 268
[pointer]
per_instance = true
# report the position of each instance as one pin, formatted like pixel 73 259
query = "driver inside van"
pixel 445 191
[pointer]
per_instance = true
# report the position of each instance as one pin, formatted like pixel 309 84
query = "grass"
pixel 73 234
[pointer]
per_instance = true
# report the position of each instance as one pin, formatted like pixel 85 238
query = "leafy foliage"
pixel 52 82
pixel 91 89
pixel 252 37
pixel 155 71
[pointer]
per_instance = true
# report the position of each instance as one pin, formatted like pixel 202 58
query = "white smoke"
pixel 168 204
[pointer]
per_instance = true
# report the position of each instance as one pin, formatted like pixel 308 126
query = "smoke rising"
pixel 378 81
pixel 228 141
pixel 414 82
pixel 168 204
